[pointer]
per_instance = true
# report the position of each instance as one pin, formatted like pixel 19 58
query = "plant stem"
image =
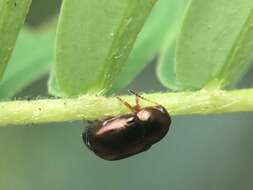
pixel 90 107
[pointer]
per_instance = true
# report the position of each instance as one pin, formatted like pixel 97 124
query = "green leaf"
pixel 240 57
pixel 12 16
pixel 94 39
pixel 162 21
pixel 214 43
pixel 31 60
pixel 166 61
pixel 53 87
pixel 166 64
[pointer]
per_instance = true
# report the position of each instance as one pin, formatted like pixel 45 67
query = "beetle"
pixel 115 138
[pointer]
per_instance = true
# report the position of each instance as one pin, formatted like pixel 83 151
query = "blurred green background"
pixel 200 152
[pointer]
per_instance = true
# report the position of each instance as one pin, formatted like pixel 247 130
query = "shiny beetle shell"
pixel 119 137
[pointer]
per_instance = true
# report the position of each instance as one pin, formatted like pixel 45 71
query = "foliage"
pixel 93 42
pixel 12 16
pixel 96 52
pixel 31 60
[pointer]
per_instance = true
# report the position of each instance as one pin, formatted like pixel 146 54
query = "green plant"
pixel 203 48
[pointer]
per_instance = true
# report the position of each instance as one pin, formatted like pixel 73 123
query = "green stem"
pixel 90 107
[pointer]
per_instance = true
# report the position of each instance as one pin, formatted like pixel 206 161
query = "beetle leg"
pixel 137 106
pixel 126 104
pixel 139 96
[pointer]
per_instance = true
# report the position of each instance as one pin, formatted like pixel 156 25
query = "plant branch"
pixel 90 107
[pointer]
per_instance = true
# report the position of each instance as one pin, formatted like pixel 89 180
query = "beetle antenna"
pixel 139 96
